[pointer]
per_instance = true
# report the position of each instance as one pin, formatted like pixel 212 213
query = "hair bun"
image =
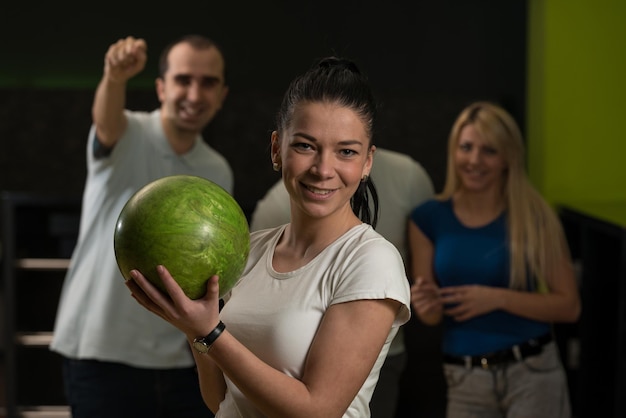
pixel 338 63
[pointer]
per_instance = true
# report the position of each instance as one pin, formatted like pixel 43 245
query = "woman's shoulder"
pixel 261 236
pixel 262 242
pixel 432 205
pixel 432 212
pixel 365 239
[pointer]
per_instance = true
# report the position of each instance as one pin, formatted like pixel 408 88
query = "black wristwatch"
pixel 203 344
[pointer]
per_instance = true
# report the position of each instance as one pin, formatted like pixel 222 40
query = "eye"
pixel 490 150
pixel 210 82
pixel 465 146
pixel 301 146
pixel 347 152
pixel 182 80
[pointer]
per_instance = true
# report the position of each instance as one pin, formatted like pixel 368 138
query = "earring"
pixel 276 166
pixel 364 178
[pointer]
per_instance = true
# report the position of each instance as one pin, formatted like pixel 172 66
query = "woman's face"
pixel 324 154
pixel 479 166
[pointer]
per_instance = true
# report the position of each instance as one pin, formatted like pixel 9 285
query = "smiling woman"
pixel 328 274
pixel 489 260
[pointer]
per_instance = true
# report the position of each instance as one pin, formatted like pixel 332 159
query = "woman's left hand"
pixel 467 302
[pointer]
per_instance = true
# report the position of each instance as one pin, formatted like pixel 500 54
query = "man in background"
pixel 120 360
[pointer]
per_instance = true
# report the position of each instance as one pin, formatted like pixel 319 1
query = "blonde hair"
pixel 536 239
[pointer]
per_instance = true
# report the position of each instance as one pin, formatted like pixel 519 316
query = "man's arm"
pixel 123 60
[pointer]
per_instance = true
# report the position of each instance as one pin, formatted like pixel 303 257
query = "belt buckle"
pixel 484 363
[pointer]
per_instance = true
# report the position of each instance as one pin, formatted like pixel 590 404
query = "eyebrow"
pixel 345 142
pixel 203 78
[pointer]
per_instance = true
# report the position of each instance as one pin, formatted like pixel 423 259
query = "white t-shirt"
pixel 276 315
pixel 402 185
pixel 97 318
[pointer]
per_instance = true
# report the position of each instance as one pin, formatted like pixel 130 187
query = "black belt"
pixel 516 353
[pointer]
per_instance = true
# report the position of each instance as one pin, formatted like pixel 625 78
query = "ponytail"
pixel 360 202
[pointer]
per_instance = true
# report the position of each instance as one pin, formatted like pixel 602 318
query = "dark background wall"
pixel 426 60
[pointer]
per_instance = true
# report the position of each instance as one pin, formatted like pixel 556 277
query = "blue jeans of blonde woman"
pixel 534 387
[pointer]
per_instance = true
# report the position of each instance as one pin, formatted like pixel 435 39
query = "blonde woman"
pixel 489 258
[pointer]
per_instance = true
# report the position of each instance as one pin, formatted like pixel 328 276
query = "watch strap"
pixel 213 335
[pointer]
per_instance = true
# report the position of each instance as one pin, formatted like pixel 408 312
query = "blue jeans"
pixel 533 387
pixel 97 389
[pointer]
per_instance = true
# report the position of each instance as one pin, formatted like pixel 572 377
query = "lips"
pixel 319 191
pixel 188 112
pixel 473 173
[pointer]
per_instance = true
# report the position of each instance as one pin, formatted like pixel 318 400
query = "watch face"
pixel 200 346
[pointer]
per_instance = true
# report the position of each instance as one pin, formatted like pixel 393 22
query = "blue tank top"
pixel 463 256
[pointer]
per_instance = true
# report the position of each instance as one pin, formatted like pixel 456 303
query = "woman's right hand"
pixel 426 301
pixel 194 317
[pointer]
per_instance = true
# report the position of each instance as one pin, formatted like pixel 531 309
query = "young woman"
pixel 309 324
pixel 489 258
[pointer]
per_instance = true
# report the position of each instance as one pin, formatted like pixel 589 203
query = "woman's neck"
pixel 477 209
pixel 306 237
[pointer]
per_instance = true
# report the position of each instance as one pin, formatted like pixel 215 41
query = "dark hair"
pixel 197 42
pixel 337 80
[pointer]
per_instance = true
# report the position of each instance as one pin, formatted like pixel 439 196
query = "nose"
pixel 193 91
pixel 475 156
pixel 322 166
